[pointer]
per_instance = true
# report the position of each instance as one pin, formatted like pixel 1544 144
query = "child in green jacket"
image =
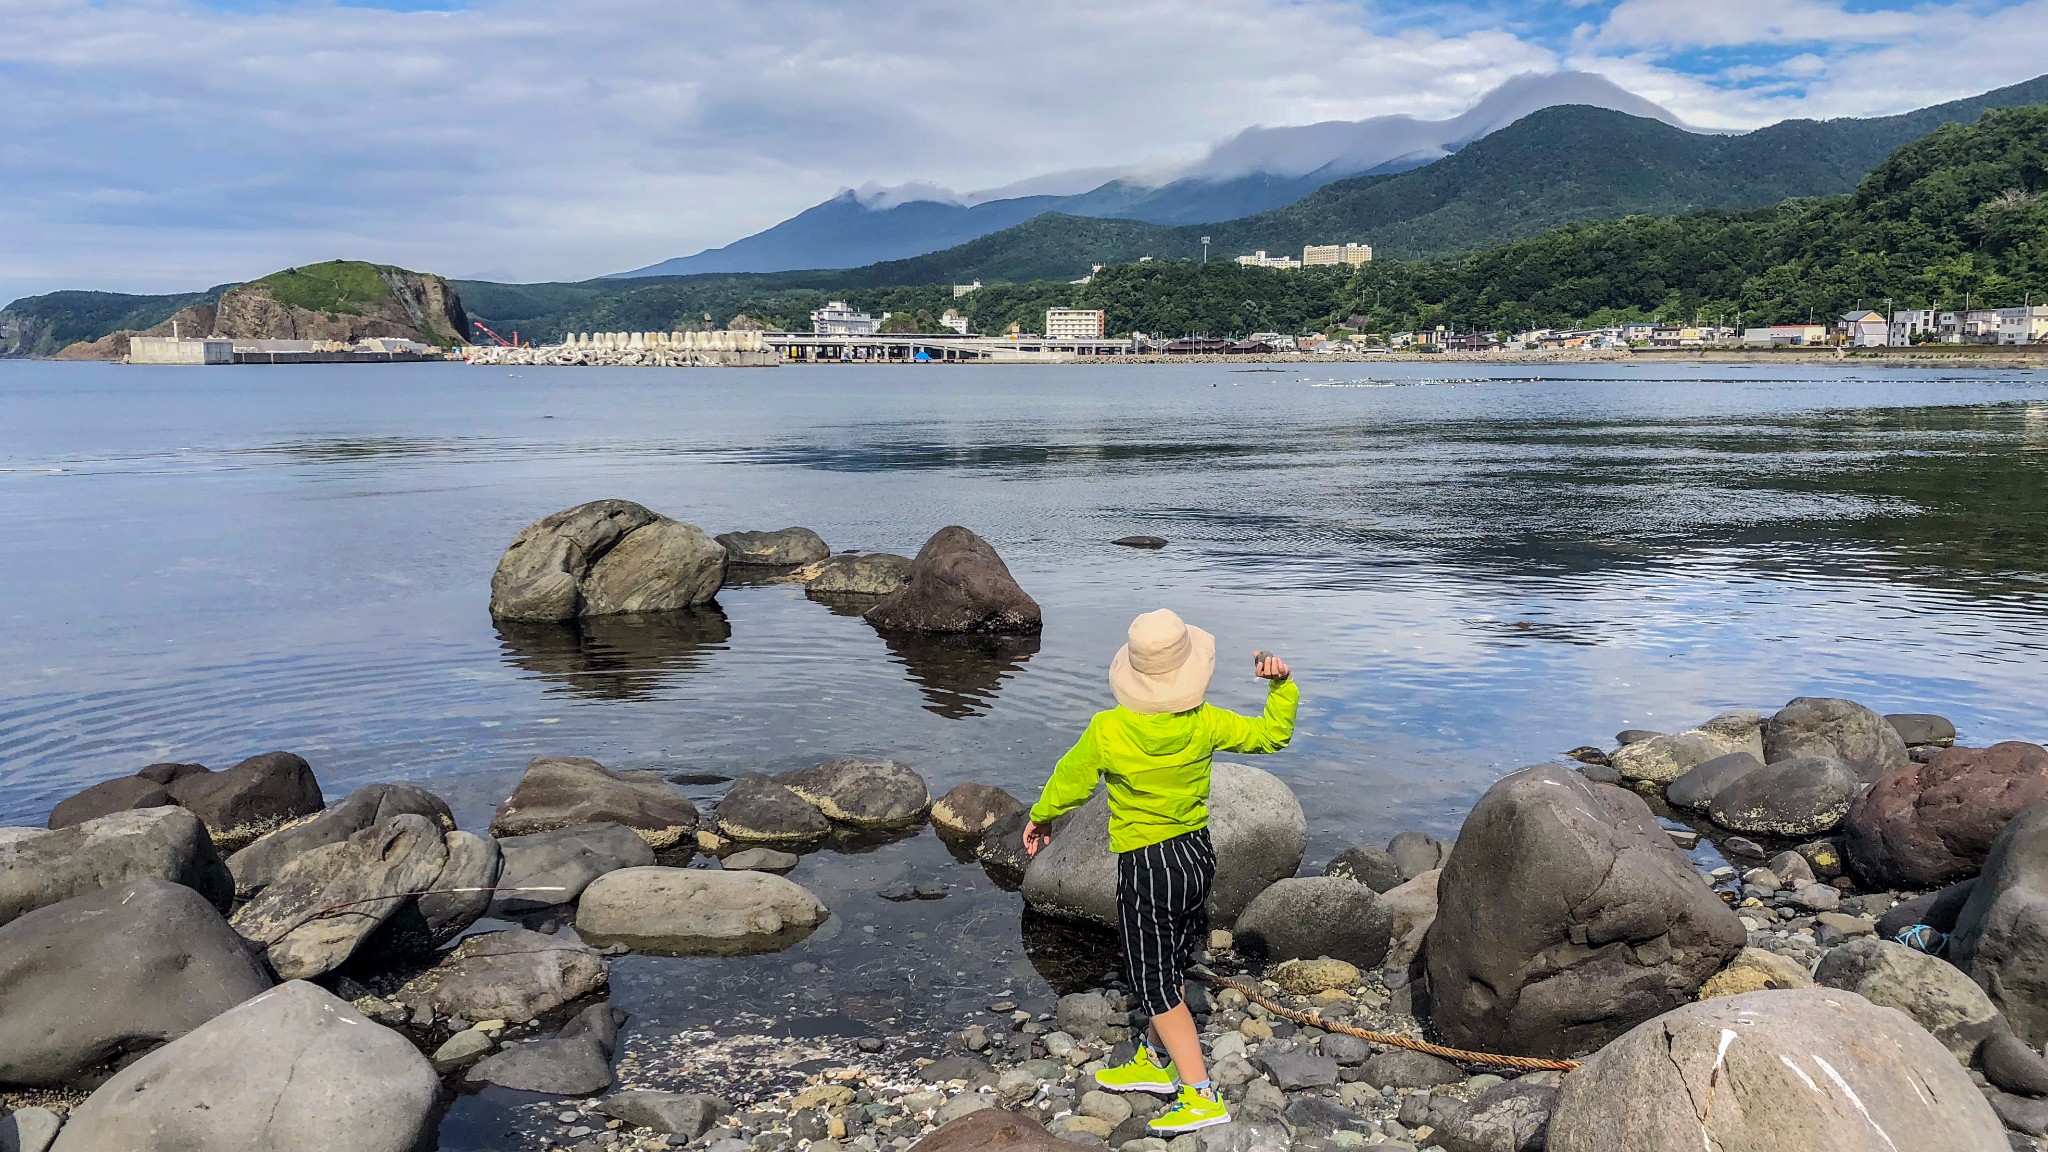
pixel 1154 750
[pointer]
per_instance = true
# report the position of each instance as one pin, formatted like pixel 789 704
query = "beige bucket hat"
pixel 1165 667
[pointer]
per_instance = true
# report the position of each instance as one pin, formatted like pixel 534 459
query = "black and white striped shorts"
pixel 1161 893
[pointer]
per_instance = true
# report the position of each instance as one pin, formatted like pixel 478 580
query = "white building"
pixel 836 319
pixel 955 321
pixel 1318 254
pixel 1782 335
pixel 1073 323
pixel 1911 323
pixel 172 350
pixel 1863 329
pixel 2023 325
pixel 960 290
pixel 1279 341
pixel 1259 259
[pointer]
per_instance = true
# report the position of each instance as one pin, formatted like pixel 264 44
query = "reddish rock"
pixel 958 584
pixel 991 1130
pixel 1932 824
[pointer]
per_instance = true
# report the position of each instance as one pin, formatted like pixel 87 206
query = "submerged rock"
pixel 1565 917
pixel 514 975
pixel 540 577
pixel 969 809
pixel 958 584
pixel 861 791
pixel 111 973
pixel 757 808
pixel 860 574
pixel 1141 541
pixel 1785 1071
pixel 549 868
pixel 577 1061
pixel 782 548
pixel 167 843
pixel 697 912
pixel 565 791
pixel 1255 823
pixel 1932 824
pixel 293 1070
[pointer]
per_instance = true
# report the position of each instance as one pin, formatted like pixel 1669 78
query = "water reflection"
pixel 959 675
pixel 616 657
pixel 1069 955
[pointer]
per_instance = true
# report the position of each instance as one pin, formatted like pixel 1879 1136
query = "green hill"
pixel 44 325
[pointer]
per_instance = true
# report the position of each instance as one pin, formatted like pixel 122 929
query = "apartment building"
pixel 1073 323
pixel 1326 254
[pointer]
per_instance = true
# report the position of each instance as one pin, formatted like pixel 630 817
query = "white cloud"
pixel 160 144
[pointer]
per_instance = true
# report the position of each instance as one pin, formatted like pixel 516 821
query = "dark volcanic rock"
pixel 167 843
pixel 860 574
pixel 2010 1064
pixel 111 973
pixel 1404 1069
pixel 969 809
pixel 667 566
pixel 1797 797
pixel 1937 910
pixel 1933 823
pixel 555 867
pixel 514 975
pixel 2001 935
pixel 1293 1067
pixel 958 584
pixel 1565 917
pixel 1366 865
pixel 540 577
pixel 1415 853
pixel 1697 788
pixel 251 798
pixel 1001 850
pixel 1509 1117
pixel 1306 917
pixel 324 904
pixel 1141 541
pixel 293 1070
pixel 1919 729
pixel 1843 729
pixel 863 792
pixel 566 791
pixel 256 865
pixel 577 1061
pixel 757 808
pixel 117 795
pixel 782 548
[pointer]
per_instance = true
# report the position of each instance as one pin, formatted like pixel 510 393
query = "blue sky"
pixel 158 145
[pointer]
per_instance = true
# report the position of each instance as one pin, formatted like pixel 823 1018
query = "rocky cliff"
pixel 197 320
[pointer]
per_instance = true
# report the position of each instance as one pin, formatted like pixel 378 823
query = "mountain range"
pixel 1256 170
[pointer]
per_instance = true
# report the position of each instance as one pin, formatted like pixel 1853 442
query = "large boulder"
pixel 863 792
pixel 1565 917
pixel 1935 993
pixel 958 584
pixel 255 866
pixel 1804 796
pixel 293 1070
pixel 1843 729
pixel 514 975
pixel 325 904
pixel 540 577
pixel 2001 935
pixel 1697 788
pixel 1932 824
pixel 696 912
pixel 1662 759
pixel 1922 729
pixel 1367 865
pixel 969 810
pixel 782 548
pixel 113 972
pixel 577 1061
pixel 251 798
pixel 548 868
pixel 860 574
pixel 563 791
pixel 168 843
pixel 1255 823
pixel 758 809
pixel 1781 1071
pixel 665 566
pixel 1305 917
pixel 456 898
pixel 109 796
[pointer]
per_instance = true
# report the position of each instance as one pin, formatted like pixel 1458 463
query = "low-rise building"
pixel 836 319
pixel 1322 254
pixel 1786 335
pixel 960 290
pixel 955 321
pixel 2023 325
pixel 1259 259
pixel 176 350
pixel 1865 329
pixel 1977 326
pixel 1073 323
pixel 1913 322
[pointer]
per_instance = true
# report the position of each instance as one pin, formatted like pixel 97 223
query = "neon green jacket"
pixel 1158 765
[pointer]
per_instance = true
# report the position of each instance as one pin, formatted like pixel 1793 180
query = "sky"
pixel 169 145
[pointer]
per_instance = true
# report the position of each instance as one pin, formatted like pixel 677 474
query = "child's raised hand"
pixel 1270 667
pixel 1035 838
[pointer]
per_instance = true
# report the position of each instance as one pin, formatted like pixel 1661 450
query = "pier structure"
pixel 942 347
pixel 741 348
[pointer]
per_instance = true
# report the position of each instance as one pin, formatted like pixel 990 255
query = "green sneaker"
pixel 1193 1111
pixel 1140 1074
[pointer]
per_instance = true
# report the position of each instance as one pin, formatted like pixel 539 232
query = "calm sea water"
pixel 1471 568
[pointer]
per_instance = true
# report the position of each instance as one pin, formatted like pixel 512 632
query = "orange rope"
pixel 1458 1055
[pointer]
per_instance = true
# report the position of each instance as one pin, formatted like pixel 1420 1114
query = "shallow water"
pixel 1469 570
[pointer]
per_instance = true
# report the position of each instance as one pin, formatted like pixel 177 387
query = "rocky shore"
pixel 1816 927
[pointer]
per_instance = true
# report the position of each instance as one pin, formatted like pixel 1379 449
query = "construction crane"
pixel 500 340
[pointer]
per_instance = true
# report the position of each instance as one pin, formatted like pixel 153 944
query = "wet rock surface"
pixel 781 548
pixel 864 792
pixel 758 809
pixel 696 911
pixel 958 584
pixel 861 574
pixel 1932 824
pixel 565 791
pixel 514 975
pixel 554 867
